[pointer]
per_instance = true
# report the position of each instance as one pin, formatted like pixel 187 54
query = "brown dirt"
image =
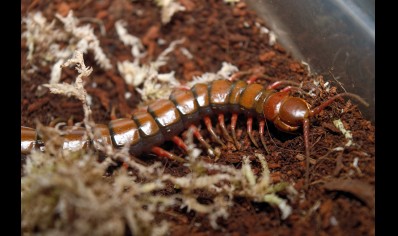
pixel 340 199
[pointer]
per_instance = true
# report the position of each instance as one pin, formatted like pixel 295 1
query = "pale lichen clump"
pixel 169 8
pixel 146 78
pixel 148 81
pixel 347 134
pixel 227 69
pixel 52 44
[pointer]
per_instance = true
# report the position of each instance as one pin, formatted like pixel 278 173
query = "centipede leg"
pixel 113 113
pixel 180 143
pixel 163 153
pixel 238 75
pixel 209 127
pixel 56 121
pixel 234 118
pixel 261 125
pixel 283 82
pixel 70 121
pixel 255 77
pixel 223 128
pixel 249 131
pixel 197 134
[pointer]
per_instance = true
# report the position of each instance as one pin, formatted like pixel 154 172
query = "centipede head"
pixel 289 113
pixel 286 112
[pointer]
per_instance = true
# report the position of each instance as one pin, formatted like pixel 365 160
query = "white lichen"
pixel 169 8
pixel 270 33
pixel 186 53
pixel 145 77
pixel 272 38
pixel 307 66
pixel 56 72
pixel 137 48
pixel 50 44
pixel 84 39
pixel 40 35
pixel 231 1
pixel 77 88
pixel 347 134
pixel 225 72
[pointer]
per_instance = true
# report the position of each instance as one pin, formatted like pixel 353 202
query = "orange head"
pixel 286 112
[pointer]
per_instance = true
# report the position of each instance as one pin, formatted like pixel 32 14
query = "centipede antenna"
pixel 234 118
pixel 319 108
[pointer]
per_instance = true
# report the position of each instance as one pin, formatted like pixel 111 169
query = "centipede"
pixel 164 120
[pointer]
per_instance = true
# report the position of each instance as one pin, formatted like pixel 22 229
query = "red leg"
pixel 255 77
pixel 183 87
pixel 234 118
pixel 238 75
pixel 125 165
pixel 163 153
pixel 197 134
pixel 56 121
pixel 282 82
pixel 113 113
pixel 249 131
pixel 223 128
pixel 180 143
pixel 211 130
pixel 261 125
